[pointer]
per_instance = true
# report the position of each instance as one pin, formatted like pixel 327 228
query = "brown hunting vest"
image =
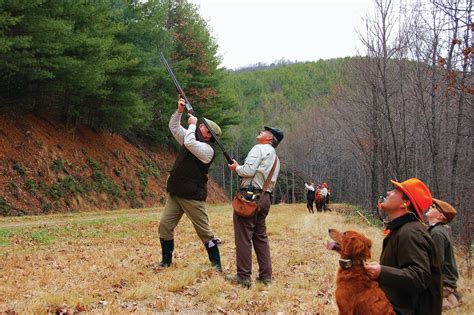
pixel 188 178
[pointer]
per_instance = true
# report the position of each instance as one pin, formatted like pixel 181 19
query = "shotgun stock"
pixel 190 109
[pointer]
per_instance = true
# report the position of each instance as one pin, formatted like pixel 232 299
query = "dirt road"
pixel 64 219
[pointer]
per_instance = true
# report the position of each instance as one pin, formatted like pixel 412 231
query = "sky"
pixel 253 31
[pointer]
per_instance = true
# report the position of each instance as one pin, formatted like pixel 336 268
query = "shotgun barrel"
pixel 219 143
pixel 189 108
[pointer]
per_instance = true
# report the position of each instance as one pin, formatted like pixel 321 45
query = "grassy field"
pixel 106 262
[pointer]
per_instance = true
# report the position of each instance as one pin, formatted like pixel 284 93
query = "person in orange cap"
pixel 408 272
pixel 317 199
pixel 439 215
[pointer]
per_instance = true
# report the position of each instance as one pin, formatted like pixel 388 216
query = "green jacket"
pixel 410 274
pixel 441 235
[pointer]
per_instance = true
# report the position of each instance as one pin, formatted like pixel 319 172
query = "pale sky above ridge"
pixel 252 31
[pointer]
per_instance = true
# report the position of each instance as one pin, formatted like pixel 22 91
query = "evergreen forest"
pixel 97 62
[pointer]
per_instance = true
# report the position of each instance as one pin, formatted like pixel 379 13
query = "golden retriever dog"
pixel 356 294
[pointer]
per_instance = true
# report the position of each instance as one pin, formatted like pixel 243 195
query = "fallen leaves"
pixel 100 275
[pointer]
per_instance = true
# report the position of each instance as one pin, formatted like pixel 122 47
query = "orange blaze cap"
pixel 417 193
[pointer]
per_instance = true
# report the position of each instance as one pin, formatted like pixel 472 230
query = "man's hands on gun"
pixel 181 104
pixel 234 165
pixel 192 120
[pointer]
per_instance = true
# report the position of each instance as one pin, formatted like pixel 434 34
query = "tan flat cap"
pixel 448 210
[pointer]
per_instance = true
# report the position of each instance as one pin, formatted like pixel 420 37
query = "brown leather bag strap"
pixel 269 178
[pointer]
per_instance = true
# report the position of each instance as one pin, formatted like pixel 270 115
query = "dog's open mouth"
pixel 333 246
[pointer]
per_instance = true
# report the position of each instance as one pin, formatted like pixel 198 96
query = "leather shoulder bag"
pixel 247 208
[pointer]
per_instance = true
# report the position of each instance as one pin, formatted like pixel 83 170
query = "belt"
pixel 256 191
pixel 251 195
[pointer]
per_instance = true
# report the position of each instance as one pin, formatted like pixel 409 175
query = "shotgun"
pixel 190 109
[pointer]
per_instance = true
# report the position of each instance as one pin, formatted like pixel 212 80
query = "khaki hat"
pixel 418 194
pixel 448 210
pixel 215 127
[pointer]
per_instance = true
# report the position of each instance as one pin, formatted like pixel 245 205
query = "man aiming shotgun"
pixel 190 109
pixel 187 184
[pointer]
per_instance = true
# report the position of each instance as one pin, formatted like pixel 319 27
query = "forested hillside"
pixel 404 109
pixel 76 77
pixel 46 168
pixel 277 95
pixel 273 95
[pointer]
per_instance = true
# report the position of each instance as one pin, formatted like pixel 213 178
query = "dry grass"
pixel 106 263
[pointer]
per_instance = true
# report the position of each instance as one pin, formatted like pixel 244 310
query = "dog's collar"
pixel 348 263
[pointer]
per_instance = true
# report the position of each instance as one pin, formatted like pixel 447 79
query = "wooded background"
pixel 402 109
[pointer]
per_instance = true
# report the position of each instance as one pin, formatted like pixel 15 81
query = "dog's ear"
pixel 368 247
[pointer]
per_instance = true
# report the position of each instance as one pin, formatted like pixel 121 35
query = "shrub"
pixel 142 177
pixel 108 186
pixel 30 187
pixel 5 208
pixel 117 172
pixel 17 167
pixel 57 166
pixel 57 191
pixel 70 185
pixel 45 207
pixel 143 195
pixel 13 188
pixel 134 202
pixel 43 186
pixel 117 154
pixel 39 143
pixel 94 165
pixel 150 168
pixel 126 185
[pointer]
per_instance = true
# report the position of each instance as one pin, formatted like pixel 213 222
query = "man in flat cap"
pixel 260 163
pixel 439 216
pixel 187 186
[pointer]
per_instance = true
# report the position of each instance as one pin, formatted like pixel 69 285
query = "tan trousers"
pixel 196 212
